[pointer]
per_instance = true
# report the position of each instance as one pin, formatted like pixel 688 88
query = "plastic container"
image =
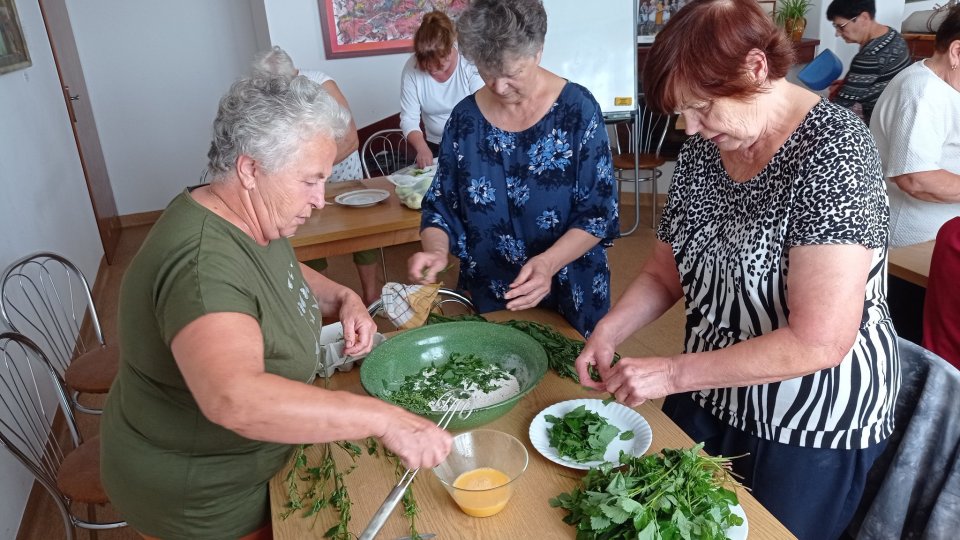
pixel 823 70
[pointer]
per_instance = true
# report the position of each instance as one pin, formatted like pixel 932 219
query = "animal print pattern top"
pixel 732 243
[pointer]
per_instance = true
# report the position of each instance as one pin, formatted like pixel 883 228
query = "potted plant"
pixel 792 16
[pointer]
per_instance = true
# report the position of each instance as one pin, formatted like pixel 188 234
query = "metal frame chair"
pixel 70 473
pixel 643 137
pixel 385 152
pixel 45 297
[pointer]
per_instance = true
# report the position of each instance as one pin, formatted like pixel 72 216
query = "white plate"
pixel 621 416
pixel 362 197
pixel 740 531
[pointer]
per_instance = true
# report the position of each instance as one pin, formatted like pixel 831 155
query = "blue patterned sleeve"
pixel 440 206
pixel 595 194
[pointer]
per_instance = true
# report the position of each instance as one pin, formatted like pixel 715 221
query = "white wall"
pixel 44 203
pixel 155 72
pixel 371 84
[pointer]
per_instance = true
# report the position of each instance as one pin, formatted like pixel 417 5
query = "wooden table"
pixel 336 229
pixel 912 263
pixel 528 514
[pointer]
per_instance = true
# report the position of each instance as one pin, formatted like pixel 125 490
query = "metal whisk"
pixel 453 405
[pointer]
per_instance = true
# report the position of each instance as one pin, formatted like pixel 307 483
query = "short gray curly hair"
pixel 493 31
pixel 268 119
pixel 273 62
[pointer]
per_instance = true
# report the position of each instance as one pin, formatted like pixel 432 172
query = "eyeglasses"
pixel 840 27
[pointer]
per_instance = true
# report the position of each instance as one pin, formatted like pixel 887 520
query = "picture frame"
pixel 769 7
pixel 354 28
pixel 13 48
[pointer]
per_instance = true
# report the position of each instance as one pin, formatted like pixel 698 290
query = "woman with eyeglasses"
pixel 883 53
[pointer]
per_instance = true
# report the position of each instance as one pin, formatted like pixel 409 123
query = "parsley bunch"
pixel 582 435
pixel 676 494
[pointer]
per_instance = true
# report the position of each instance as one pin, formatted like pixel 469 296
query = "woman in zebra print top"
pixel 774 234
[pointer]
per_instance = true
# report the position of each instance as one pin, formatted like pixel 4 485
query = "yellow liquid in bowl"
pixel 482 503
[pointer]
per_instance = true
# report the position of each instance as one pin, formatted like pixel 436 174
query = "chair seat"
pixel 93 372
pixel 79 475
pixel 647 161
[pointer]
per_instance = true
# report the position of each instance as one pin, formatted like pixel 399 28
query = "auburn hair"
pixel 701 53
pixel 434 40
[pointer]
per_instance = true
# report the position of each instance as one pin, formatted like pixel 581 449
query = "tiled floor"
pixel 660 338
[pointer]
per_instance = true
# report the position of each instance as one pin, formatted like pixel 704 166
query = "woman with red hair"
pixel 434 80
pixel 774 235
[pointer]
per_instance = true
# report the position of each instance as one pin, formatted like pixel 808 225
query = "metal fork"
pixel 453 405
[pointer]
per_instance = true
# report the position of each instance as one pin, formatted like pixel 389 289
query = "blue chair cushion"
pixel 823 70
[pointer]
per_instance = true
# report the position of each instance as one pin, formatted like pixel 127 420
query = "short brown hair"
pixel 434 40
pixel 701 53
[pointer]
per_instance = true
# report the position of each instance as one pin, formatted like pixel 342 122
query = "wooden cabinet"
pixel 921 45
pixel 806 49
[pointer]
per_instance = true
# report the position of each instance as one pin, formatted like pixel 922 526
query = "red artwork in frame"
pixel 372 27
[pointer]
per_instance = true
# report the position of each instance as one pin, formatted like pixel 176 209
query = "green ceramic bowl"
pixel 409 352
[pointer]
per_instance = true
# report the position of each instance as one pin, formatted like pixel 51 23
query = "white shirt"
pixel 916 124
pixel 422 95
pixel 349 168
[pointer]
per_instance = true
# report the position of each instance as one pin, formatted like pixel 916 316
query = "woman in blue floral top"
pixel 524 193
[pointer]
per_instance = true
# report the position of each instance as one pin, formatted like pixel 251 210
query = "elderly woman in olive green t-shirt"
pixel 219 332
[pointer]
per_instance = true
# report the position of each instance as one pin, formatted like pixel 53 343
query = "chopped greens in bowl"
pixel 408 353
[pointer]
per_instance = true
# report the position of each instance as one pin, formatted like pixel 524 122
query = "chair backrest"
pixel 911 490
pixel 31 395
pixel 46 298
pixel 386 152
pixel 646 135
pixel 652 128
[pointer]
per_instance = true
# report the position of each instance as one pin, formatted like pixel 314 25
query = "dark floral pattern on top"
pixel 503 197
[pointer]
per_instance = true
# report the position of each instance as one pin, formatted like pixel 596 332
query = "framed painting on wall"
pixel 372 27
pixel 13 48
pixel 769 6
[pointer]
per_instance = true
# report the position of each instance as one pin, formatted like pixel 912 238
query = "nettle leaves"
pixel 582 435
pixel 676 494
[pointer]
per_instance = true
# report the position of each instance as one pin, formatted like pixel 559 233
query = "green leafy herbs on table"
pixel 465 372
pixel 581 435
pixel 676 494
pixel 325 486
pixel 319 493
pixel 562 352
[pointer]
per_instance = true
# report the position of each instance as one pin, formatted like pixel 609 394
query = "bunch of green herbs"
pixel 562 352
pixel 582 435
pixel 466 372
pixel 319 494
pixel 676 494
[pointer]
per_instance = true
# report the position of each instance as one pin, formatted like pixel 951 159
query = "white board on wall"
pixel 594 44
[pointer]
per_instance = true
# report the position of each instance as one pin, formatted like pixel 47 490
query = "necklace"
pixel 243 224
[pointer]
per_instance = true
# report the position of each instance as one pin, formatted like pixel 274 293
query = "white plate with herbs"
pixel 633 432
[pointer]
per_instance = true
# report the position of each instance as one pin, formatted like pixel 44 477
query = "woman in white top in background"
pixel 434 79
pixel 916 124
pixel 346 164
